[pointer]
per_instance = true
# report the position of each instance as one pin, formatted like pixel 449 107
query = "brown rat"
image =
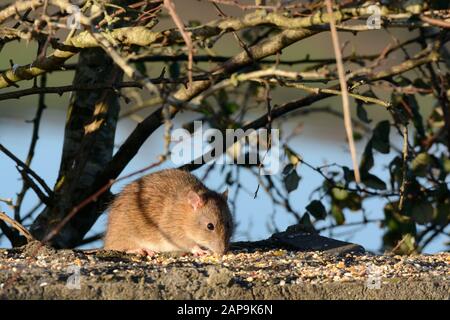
pixel 169 210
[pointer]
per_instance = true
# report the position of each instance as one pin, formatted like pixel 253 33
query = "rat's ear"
pixel 195 200
pixel 225 194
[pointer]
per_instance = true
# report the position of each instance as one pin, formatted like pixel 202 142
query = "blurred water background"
pixel 321 140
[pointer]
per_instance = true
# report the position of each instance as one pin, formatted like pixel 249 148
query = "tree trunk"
pixel 88 147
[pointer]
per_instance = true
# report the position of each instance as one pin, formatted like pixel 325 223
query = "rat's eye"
pixel 210 226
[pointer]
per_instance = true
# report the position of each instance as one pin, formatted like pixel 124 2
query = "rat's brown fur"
pixel 156 213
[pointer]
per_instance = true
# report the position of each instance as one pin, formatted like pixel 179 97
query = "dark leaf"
pixel 306 221
pixel 291 181
pixel 288 168
pixel 443 213
pixel 373 182
pixel 190 127
pixel 353 202
pixel 174 70
pixel 439 4
pixel 417 117
pixel 229 178
pixel 140 66
pixel 380 138
pixel 317 209
pixel 367 159
pixel 422 211
pixel 420 83
pixel 362 113
pixel 396 171
pixel 349 175
pixel 402 81
pixel 357 136
pixel 222 98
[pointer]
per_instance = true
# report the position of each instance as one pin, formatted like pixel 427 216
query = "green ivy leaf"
pixel 194 23
pixel 338 214
pixel 231 107
pixel 446 164
pixel 339 194
pixel 407 244
pixel 397 226
pixel 317 209
pixel 293 157
pixel 421 163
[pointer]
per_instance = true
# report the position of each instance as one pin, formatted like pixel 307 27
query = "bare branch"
pixel 344 90
pixel 34 137
pixel 62 89
pixel 27 170
pixel 16 225
pixel 436 22
pixel 144 129
pixel 422 58
pixel 18 6
pixel 28 182
pixel 142 36
pixel 187 38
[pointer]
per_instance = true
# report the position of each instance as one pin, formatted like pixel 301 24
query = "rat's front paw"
pixel 199 251
pixel 142 252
